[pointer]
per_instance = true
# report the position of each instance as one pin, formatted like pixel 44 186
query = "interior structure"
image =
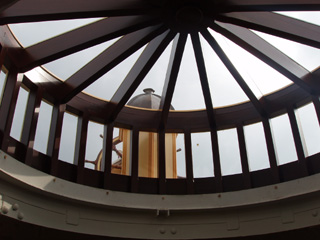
pixel 69 199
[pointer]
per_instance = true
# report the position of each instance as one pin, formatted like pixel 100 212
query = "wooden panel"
pixel 189 164
pixel 271 150
pixel 298 142
pixel 80 147
pixel 55 137
pixel 30 123
pixel 8 103
pixel 8 106
pixel 107 155
pixel 244 157
pixel 216 161
pixel 134 160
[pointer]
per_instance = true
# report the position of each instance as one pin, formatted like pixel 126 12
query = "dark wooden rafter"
pixel 270 5
pixel 276 24
pixel 107 60
pixel 39 10
pixel 79 39
pixel 224 58
pixel 203 78
pixel 6 4
pixel 171 77
pixel 270 55
pixel 140 69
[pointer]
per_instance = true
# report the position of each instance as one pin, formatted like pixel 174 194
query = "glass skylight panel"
pixel 78 60
pixel 223 87
pixel 30 34
pixel 188 92
pixel 306 56
pixel 106 86
pixel 260 77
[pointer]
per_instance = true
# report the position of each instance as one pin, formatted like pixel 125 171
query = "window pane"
pixel 68 138
pixel 94 146
pixel 171 155
pixel 283 139
pixel 229 152
pixel 3 79
pixel 148 154
pixel 309 129
pixel 256 147
pixel 43 127
pixel 19 114
pixel 181 156
pixel 121 159
pixel 202 155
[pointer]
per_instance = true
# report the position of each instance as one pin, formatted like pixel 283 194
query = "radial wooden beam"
pixel 141 68
pixel 271 5
pixel 270 55
pixel 108 59
pixel 203 78
pixel 39 10
pixel 224 58
pixel 171 77
pixel 276 24
pixel 79 39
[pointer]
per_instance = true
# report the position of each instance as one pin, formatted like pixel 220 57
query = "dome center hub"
pixel 189 16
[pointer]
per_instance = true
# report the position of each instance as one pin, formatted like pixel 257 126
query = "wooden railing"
pixel 143 120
